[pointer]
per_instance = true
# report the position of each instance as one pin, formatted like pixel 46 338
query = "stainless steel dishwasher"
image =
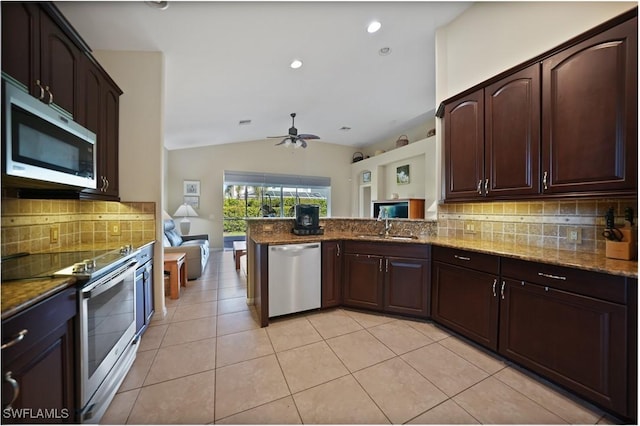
pixel 294 278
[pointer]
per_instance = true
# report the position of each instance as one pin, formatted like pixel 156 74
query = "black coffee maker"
pixel 307 220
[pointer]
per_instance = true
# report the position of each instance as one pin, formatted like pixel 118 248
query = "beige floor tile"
pixel 187 400
pixel 474 355
pixel 237 321
pixel 120 408
pixel 280 412
pixel 190 297
pixel 177 361
pixel 445 369
pixel 138 371
pixel 158 317
pixel 190 331
pixel 491 401
pixel 399 337
pixel 333 323
pixel 237 347
pixel 359 350
pixel 152 337
pixel 554 401
pixel 429 329
pixel 231 279
pixel 289 333
pixel 203 284
pixel 199 310
pixel 447 413
pixel 236 304
pixel 399 390
pixel 310 365
pixel 232 292
pixel 341 401
pixel 367 319
pixel 248 384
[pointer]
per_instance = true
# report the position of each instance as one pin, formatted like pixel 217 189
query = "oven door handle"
pixel 107 282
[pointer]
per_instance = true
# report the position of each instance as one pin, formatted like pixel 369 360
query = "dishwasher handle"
pixel 294 248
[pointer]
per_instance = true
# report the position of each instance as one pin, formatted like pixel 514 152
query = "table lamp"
pixel 185 211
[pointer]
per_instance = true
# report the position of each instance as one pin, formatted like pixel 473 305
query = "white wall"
pixel 140 75
pixel 491 37
pixel 207 164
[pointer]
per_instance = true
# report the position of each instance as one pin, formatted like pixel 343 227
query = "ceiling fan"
pixel 293 137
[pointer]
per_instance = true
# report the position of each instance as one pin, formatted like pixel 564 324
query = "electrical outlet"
pixel 469 228
pixel 114 229
pixel 574 235
pixel 54 234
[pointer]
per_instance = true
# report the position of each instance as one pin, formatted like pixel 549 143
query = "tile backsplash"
pixel 536 223
pixel 53 225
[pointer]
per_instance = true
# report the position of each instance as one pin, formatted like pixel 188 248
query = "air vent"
pixel 345 128
pixel 244 122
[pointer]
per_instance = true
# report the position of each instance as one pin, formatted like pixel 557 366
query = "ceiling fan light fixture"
pixel 158 4
pixel 384 51
pixel 295 64
pixel 373 27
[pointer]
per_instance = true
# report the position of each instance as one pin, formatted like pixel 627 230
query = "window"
pixel 249 194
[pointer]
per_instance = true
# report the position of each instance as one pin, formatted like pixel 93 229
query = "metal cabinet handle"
pixel 338 247
pixel 41 97
pixel 480 187
pixel 387 267
pixel 544 180
pixel 104 184
pixel 380 264
pixel 106 187
pixel 555 277
pixel 486 186
pixel 16 339
pixel 502 289
pixel 462 257
pixel 495 282
pixel 14 386
pixel 50 95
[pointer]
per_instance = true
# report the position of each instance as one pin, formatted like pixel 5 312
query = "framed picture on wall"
pixel 366 176
pixel 402 175
pixel 192 187
pixel 192 200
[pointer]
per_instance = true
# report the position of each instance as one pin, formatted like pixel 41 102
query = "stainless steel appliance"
pixel 307 220
pixel 44 145
pixel 294 278
pixel 105 321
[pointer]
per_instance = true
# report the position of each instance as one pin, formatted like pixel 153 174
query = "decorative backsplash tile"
pixel 536 223
pixel 32 225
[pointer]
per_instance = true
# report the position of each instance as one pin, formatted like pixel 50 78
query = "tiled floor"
pixel 209 361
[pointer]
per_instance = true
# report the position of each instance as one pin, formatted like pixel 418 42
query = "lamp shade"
pixel 185 210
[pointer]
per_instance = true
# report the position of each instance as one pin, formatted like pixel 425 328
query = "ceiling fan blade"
pixel 275 137
pixel 302 142
pixel 281 142
pixel 308 136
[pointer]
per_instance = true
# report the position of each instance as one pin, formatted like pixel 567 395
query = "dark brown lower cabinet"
pixel 38 378
pixel 406 289
pixel 363 280
pixel 331 274
pixel 466 301
pixel 574 340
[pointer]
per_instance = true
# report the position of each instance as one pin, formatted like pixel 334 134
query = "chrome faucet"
pixel 384 214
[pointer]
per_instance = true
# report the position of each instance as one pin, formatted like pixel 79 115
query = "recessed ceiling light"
pixel 345 128
pixel 373 27
pixel 295 64
pixel 384 51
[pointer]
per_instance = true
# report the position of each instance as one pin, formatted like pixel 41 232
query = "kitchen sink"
pixel 389 237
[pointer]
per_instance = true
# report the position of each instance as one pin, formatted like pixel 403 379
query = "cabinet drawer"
pixel 594 284
pixel 468 259
pixel 418 251
pixel 145 255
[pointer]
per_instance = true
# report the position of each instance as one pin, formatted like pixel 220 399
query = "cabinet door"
pixel 466 301
pixel 512 135
pixel 21 43
pixel 140 316
pixel 59 65
pixel 363 280
pixel 331 274
pixel 464 147
pixel 109 150
pixel 43 362
pixel 577 341
pixel 148 293
pixel 407 286
pixel 590 118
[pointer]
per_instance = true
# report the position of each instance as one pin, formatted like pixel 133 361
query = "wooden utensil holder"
pixel 625 249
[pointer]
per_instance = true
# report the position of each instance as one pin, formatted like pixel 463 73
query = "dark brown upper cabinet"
pixel 590 114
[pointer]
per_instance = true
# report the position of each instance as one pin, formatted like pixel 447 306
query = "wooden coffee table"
pixel 176 265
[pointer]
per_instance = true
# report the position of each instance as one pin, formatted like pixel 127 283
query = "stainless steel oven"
pixel 107 326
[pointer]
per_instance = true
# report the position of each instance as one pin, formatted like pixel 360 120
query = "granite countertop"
pixel 596 262
pixel 18 295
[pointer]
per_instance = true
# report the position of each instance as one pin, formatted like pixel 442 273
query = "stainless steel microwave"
pixel 43 144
